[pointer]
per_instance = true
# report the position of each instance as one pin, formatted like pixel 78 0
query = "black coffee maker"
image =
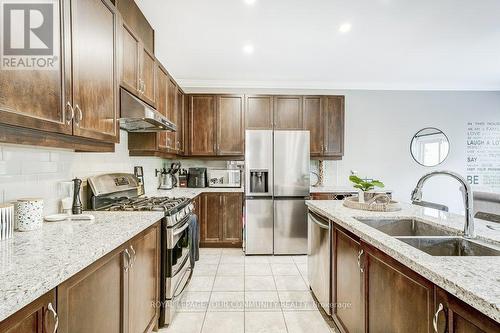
pixel 197 177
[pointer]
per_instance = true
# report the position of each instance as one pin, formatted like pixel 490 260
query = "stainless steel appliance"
pixel 197 177
pixel 319 259
pixel 137 116
pixel 224 178
pixel 168 180
pixel 119 192
pixel 276 187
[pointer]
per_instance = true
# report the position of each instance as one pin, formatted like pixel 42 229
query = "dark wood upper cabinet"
pixel 147 77
pixel 143 281
pixel 136 20
pixel 162 102
pixel 172 90
pixel 130 59
pixel 313 121
pixel 230 125
pixel 35 98
pixel 334 126
pixel 258 112
pixel 179 135
pixel 397 299
pixel 36 317
pixel 348 282
pixel 94 69
pixel 202 125
pixel 287 112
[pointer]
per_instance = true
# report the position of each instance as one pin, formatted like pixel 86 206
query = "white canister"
pixel 29 214
pixel 6 221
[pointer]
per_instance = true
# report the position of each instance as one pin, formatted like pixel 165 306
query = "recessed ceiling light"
pixel 345 27
pixel 248 48
pixel 250 2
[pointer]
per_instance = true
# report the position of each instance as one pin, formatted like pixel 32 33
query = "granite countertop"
pixel 339 189
pixel 35 262
pixel 191 193
pixel 474 280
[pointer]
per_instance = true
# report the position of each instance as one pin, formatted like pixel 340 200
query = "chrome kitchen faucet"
pixel 416 196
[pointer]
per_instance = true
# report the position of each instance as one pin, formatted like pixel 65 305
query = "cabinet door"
pixel 458 317
pixel 348 282
pixel 259 112
pixel 232 205
pixel 398 299
pixel 230 125
pixel 202 124
pixel 211 223
pixel 288 112
pixel 334 126
pixel 93 300
pixel 33 318
pixel 130 59
pixel 35 98
pixel 172 111
pixel 313 122
pixel 143 280
pixel 147 77
pixel 162 103
pixel 95 84
pixel 179 135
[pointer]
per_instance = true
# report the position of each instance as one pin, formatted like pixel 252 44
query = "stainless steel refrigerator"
pixel 276 187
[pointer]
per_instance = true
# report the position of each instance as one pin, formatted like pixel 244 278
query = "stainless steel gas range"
pixel 120 192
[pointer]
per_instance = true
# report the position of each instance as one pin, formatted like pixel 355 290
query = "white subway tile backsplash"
pixel 29 167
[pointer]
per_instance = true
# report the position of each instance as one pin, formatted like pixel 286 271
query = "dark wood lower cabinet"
pixel 375 293
pixel 348 282
pixel 397 299
pixel 33 318
pixel 220 219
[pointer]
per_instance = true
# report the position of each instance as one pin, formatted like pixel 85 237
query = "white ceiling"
pixel 393 44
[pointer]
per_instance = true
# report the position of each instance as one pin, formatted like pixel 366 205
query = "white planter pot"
pixel 29 214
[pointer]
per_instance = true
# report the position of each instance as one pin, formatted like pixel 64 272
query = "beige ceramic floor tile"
pixel 201 283
pixel 264 322
pixel 232 259
pixel 257 259
pixel 209 250
pixel 284 269
pixel 231 270
pixel 305 322
pixel 227 301
pixel 259 283
pixel 229 283
pixel 262 301
pixel 185 322
pixel 201 269
pixel 257 269
pixel 295 283
pixel 299 259
pixel 209 259
pixel 224 322
pixel 281 260
pixel 193 301
pixel 297 301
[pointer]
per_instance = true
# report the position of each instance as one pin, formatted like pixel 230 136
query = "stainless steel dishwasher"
pixel 319 259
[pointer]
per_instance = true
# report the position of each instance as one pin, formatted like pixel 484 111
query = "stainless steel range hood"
pixel 137 116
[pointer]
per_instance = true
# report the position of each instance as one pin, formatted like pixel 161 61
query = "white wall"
pixel 379 128
pixel 37 172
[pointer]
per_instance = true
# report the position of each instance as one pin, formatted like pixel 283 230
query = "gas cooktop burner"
pixel 165 204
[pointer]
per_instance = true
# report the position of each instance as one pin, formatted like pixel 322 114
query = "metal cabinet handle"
pixel 133 256
pixel 69 107
pixel 436 317
pixel 360 253
pixel 50 307
pixel 80 115
pixel 128 260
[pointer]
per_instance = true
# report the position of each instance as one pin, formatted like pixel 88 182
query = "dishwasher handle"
pixel 319 221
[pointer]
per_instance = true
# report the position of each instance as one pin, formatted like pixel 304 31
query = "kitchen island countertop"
pixel 474 280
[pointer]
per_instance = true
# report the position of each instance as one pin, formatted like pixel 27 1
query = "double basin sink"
pixel 430 239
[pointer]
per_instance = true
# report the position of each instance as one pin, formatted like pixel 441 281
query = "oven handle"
pixel 191 270
pixel 184 227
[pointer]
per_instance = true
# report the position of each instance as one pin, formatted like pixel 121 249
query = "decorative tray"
pixel 380 203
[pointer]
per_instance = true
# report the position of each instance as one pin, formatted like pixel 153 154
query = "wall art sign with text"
pixel 29 34
pixel 483 155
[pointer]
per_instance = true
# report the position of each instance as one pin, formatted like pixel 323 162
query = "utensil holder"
pixel 29 214
pixel 6 221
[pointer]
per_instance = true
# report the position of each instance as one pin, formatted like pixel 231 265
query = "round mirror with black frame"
pixel 429 147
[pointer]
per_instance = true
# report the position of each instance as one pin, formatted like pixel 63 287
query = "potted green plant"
pixel 366 188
